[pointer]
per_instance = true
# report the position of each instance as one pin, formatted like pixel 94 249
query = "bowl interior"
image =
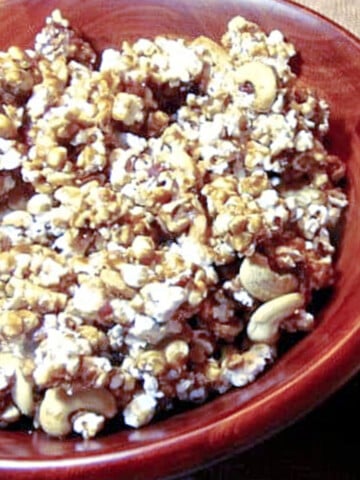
pixel 313 368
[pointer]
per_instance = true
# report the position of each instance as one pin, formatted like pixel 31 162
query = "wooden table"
pixel 325 445
pixel 344 12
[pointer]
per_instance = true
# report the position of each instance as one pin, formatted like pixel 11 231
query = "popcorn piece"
pixel 140 410
pixel 58 355
pixel 134 275
pixel 88 299
pixel 241 369
pixel 88 424
pixel 161 300
pixel 128 108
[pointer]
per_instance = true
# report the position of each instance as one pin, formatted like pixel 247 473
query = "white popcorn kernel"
pixel 192 251
pixel 183 387
pixel 10 160
pixel 118 174
pixel 116 337
pixel 210 131
pixel 134 275
pixel 136 143
pixel 122 311
pixel 59 351
pixel 268 198
pixel 162 300
pixel 128 108
pixel 51 272
pixel 151 386
pixel 143 46
pixel 181 63
pixel 257 358
pixel 302 321
pixel 39 203
pixel 140 410
pixel 17 218
pixel 63 243
pixel 111 59
pixel 56 17
pixel 145 329
pixel 14 234
pixel 88 299
pixel 275 36
pixel 88 424
pixel 244 298
pixel 6 375
pixel 38 102
pixel 198 395
pixel 304 141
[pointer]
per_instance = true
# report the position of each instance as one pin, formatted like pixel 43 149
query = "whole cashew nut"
pixel 263 283
pixel 263 79
pixel 22 389
pixel 58 407
pixel 265 322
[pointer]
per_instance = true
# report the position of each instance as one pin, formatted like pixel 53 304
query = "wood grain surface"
pixel 344 12
pixel 324 445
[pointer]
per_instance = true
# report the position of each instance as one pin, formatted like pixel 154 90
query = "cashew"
pixel 58 407
pixel 265 321
pixel 263 79
pixel 263 283
pixel 22 391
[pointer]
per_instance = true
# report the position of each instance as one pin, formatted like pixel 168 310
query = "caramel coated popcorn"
pixel 167 211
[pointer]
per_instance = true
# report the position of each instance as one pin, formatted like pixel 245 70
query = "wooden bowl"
pixel 312 369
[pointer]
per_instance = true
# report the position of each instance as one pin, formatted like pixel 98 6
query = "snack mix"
pixel 167 212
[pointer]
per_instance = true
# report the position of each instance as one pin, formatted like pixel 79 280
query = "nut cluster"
pixel 166 214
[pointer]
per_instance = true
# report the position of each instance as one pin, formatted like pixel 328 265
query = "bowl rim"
pixel 296 393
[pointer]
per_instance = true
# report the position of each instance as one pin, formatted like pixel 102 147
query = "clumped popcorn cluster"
pixel 166 213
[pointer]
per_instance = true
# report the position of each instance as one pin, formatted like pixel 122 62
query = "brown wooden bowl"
pixel 312 369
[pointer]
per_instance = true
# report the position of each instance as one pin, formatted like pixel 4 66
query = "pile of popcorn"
pixel 166 214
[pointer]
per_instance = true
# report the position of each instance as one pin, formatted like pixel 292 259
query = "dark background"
pixel 324 445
